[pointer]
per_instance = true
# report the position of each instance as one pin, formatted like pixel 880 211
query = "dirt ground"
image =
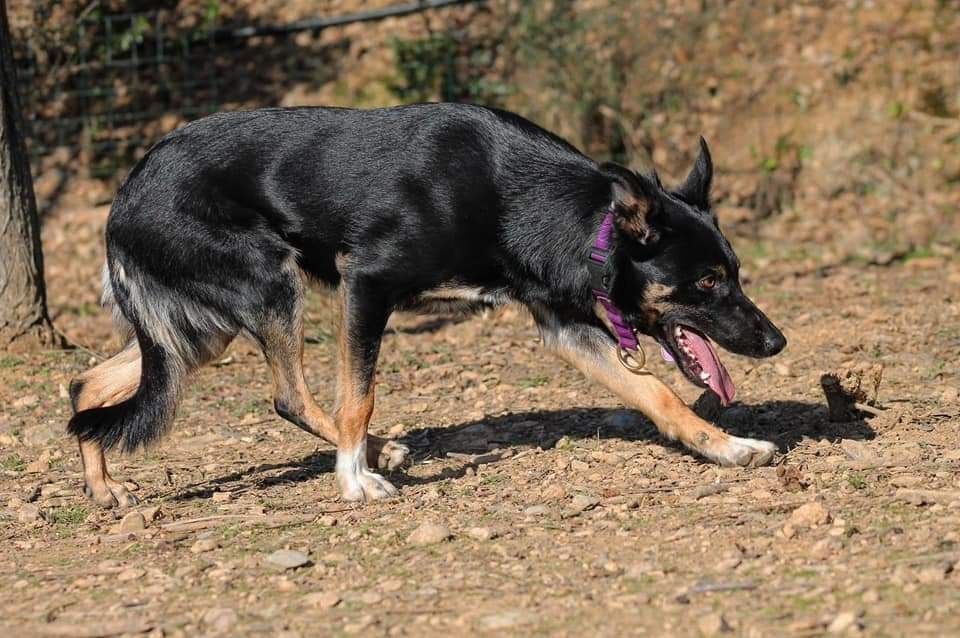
pixel 559 512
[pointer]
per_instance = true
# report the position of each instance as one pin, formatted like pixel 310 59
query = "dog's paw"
pixel 736 451
pixel 392 455
pixel 364 485
pixel 110 494
pixel 356 481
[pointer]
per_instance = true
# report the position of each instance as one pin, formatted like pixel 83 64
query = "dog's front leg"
pixel 592 352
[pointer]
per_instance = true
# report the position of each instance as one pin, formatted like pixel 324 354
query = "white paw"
pixel 365 486
pixel 743 452
pixel 392 456
pixel 356 481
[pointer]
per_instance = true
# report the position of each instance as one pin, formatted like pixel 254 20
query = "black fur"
pixel 202 234
pixel 143 418
pixel 76 387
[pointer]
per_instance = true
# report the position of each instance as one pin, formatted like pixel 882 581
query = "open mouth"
pixel 698 360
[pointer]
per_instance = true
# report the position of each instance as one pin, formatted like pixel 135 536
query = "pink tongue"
pixel 720 381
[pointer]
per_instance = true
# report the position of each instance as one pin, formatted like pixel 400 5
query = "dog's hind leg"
pixel 592 352
pixel 111 382
pixel 363 317
pixel 98 485
pixel 280 335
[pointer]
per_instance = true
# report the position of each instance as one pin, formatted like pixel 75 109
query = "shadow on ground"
pixel 785 423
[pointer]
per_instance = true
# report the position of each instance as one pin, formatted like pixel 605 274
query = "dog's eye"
pixel 708 283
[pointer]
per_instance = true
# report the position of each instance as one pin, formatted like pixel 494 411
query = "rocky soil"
pixel 534 502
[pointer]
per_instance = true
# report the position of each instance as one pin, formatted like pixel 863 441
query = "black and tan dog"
pixel 215 231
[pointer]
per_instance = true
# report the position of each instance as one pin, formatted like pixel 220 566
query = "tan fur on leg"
pixel 98 484
pixel 668 412
pixel 113 381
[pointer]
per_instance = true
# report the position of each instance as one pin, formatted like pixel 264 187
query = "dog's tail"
pixel 145 416
pixel 175 336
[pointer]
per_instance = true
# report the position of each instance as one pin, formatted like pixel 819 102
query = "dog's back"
pixel 327 180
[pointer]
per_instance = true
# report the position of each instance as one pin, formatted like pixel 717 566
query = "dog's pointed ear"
pixel 695 190
pixel 635 201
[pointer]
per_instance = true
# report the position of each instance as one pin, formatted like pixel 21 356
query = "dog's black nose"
pixel 773 341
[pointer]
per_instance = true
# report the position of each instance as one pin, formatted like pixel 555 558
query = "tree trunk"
pixel 23 299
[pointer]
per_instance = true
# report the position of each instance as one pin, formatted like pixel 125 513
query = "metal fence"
pixel 113 74
pixel 114 78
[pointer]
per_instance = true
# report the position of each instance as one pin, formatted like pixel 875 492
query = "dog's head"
pixel 676 277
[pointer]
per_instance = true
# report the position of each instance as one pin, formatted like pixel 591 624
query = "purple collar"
pixel 600 286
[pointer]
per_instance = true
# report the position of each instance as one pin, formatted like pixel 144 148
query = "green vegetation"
pixel 785 152
pixel 445 65
pixel 243 407
pixel 8 361
pixel 13 462
pixel 70 516
pixel 534 381
pixel 857 480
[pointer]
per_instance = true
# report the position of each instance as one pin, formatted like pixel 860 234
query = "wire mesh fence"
pixel 111 74
pixel 94 87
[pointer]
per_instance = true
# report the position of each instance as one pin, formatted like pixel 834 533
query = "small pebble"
pixel 133 522
pixel 151 514
pixel 809 515
pixel 131 573
pixel 391 585
pixel 429 534
pixel 933 574
pixel 288 559
pixel 29 513
pixel 370 598
pixel 842 622
pixel 729 564
pixel 204 545
pixel 481 533
pixel 286 585
pixel 553 492
pixel 27 401
pixel 40 465
pixel 584 502
pixel 322 599
pixel 906 480
pixel 220 620
pixel 506 620
pixel 360 626
pixel 713 624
